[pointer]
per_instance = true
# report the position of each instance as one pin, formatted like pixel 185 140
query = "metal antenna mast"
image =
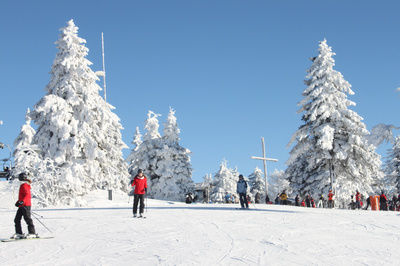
pixel 104 68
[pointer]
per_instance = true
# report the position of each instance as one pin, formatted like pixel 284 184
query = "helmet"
pixel 140 171
pixel 22 176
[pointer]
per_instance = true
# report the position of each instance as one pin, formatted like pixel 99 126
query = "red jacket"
pixel 140 183
pixel 358 196
pixel 25 194
pixel 330 196
pixel 303 204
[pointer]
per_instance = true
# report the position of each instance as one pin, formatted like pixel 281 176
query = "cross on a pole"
pixel 264 159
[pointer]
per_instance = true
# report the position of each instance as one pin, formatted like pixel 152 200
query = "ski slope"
pixel 174 233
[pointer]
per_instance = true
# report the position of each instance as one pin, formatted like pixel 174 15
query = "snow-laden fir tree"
pixel 146 155
pixel 76 127
pixel 277 183
pixel 173 166
pixel 25 155
pixel 43 172
pixel 257 183
pixel 332 140
pixel 224 181
pixel 165 163
pixel 392 168
pixel 137 140
pixel 207 181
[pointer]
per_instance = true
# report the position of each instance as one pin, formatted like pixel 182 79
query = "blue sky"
pixel 233 70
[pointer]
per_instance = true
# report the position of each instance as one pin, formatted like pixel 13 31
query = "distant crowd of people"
pixel 357 201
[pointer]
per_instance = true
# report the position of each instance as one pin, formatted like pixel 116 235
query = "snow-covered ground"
pixel 199 234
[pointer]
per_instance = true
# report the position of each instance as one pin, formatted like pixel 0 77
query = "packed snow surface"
pixel 104 233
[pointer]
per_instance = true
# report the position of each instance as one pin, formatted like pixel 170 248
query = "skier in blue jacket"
pixel 242 190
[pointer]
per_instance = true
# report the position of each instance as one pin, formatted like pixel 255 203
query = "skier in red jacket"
pixel 330 199
pixel 24 209
pixel 358 200
pixel 140 184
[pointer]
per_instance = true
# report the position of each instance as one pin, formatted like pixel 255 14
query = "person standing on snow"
pixel 321 201
pixel 297 200
pixel 267 201
pixel 283 197
pixel 24 209
pixel 308 201
pixel 241 189
pixel 358 200
pixel 383 201
pixel 140 184
pixel 331 203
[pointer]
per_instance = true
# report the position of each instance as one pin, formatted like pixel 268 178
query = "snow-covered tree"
pixel 146 155
pixel 332 142
pixel 277 183
pixel 165 162
pixel 392 168
pixel 381 133
pixel 25 154
pixel 207 180
pixel 77 129
pixel 173 166
pixel 257 183
pixel 137 140
pixel 224 181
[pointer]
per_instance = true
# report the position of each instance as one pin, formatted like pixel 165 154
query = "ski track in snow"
pixel 199 234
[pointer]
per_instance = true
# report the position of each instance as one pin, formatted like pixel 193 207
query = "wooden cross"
pixel 264 159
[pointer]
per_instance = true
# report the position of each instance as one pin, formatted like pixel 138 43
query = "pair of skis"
pixel 24 238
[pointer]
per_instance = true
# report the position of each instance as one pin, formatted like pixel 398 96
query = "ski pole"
pixel 37 214
pixel 34 216
pixel 146 203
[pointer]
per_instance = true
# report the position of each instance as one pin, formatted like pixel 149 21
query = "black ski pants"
pixel 243 200
pixel 136 199
pixel 24 211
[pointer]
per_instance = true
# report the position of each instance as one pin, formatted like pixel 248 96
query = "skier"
pixel 140 184
pixel 312 202
pixel 331 203
pixel 277 200
pixel 303 204
pixel 24 209
pixel 297 200
pixel 228 198
pixel 383 201
pixel 241 189
pixel 267 201
pixel 308 201
pixel 257 198
pixel 368 203
pixel 394 203
pixel 248 198
pixel 283 197
pixel 358 200
pixel 189 198
pixel 321 201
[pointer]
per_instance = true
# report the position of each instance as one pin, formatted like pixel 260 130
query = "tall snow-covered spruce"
pixel 392 168
pixel 332 142
pixel 77 129
pixel 145 155
pixel 165 161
